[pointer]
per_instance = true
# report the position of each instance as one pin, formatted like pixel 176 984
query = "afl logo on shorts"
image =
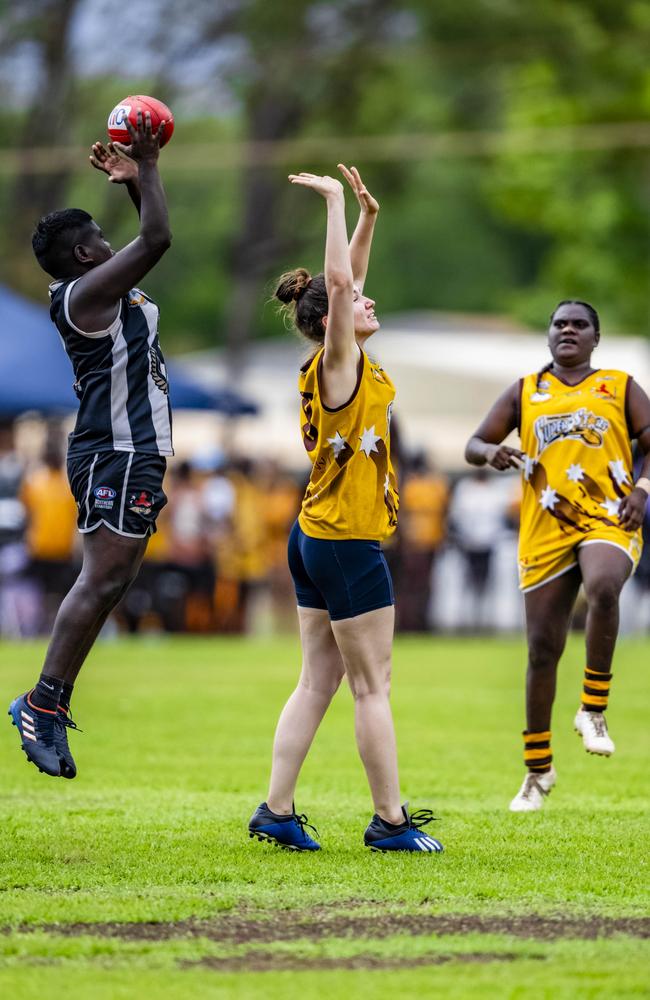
pixel 104 497
pixel 104 493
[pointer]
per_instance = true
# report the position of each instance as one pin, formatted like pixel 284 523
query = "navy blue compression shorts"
pixel 346 578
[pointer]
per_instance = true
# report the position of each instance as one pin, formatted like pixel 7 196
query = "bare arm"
pixel 632 507
pixel 341 355
pixel 361 241
pixel 485 444
pixel 96 295
pixel 120 169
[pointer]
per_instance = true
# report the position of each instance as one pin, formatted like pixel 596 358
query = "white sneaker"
pixel 593 729
pixel 533 791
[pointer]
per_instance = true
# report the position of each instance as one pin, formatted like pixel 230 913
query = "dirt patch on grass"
pixel 269 961
pixel 322 923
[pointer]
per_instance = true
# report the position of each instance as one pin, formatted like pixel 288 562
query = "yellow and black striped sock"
pixel 537 751
pixel 595 690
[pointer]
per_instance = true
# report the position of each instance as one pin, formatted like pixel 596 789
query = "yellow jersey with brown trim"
pixel 577 465
pixel 352 491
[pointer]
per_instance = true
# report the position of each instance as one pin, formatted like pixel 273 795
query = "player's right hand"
pixel 329 187
pixel 145 144
pixel 501 457
pixel 120 169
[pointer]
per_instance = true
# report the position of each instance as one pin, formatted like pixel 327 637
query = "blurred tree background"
pixel 508 144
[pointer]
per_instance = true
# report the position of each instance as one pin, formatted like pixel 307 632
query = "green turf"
pixel 174 758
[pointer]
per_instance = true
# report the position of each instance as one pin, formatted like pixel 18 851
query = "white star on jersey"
pixel 619 471
pixel 529 465
pixel 611 506
pixel 338 443
pixel 369 441
pixel 387 483
pixel 575 473
pixel 548 498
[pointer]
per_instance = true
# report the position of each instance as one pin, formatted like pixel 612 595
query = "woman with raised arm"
pixel 581 517
pixel 343 586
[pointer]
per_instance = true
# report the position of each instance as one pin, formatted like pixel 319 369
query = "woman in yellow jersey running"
pixel 343 586
pixel 581 517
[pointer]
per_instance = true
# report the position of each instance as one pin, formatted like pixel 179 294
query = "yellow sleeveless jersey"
pixel 352 491
pixel 577 469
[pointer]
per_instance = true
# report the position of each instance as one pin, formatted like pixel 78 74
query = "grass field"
pixel 138 877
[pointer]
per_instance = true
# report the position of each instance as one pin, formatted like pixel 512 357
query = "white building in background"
pixel 448 370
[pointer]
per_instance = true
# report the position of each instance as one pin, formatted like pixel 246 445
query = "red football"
pixel 129 107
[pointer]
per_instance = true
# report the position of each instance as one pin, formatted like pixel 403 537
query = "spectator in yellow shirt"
pixel 51 531
pixel 423 528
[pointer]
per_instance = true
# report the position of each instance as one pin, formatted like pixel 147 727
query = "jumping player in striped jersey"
pixel 117 451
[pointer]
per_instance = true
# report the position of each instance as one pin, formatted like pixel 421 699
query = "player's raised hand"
pixel 501 457
pixel 120 168
pixel 145 143
pixel 326 186
pixel 367 204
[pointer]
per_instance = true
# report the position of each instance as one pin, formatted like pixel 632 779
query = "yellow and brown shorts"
pixel 539 567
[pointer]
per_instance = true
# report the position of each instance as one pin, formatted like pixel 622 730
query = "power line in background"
pixel 209 157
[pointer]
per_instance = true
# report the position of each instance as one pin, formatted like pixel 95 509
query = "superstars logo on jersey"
pixel 583 425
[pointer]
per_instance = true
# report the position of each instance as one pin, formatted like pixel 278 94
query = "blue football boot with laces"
pixel 382 836
pixel 37 731
pixel 286 831
pixel 62 723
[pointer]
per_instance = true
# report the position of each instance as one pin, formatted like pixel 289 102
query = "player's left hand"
pixel 367 204
pixel 632 509
pixel 120 169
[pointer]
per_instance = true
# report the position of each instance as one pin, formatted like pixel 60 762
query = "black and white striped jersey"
pixel 120 377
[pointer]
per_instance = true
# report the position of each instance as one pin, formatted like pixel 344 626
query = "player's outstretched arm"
pixel 96 295
pixel 484 446
pixel 120 169
pixel 341 350
pixel 361 241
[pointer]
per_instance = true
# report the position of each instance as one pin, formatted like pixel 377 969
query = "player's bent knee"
pixel 108 592
pixel 363 690
pixel 324 686
pixel 603 595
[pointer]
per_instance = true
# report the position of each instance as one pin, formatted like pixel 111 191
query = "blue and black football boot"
pixel 382 836
pixel 37 729
pixel 63 722
pixel 286 831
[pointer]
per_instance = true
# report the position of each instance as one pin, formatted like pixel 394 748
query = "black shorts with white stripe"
pixel 122 490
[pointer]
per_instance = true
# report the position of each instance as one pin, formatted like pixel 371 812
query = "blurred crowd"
pixel 217 563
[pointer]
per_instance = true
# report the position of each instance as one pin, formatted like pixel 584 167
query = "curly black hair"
pixel 54 237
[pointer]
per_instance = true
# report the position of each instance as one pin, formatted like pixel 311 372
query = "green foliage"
pixel 588 205
pixel 526 214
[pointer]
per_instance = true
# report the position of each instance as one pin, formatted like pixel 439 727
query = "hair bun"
pixel 292 284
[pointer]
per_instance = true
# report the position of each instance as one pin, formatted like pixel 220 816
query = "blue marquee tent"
pixel 35 373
